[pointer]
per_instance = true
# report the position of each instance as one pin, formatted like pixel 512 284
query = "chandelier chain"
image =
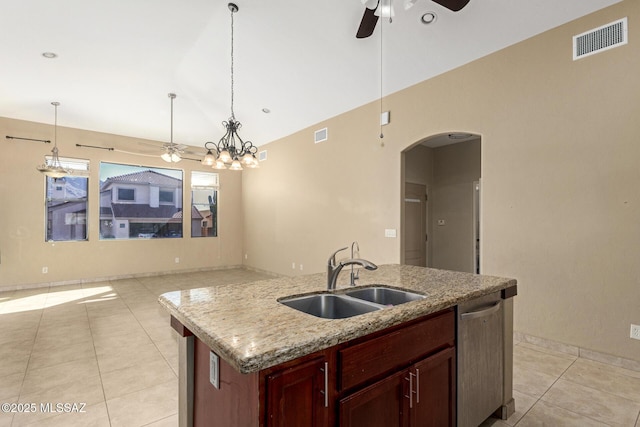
pixel 233 116
pixel 231 150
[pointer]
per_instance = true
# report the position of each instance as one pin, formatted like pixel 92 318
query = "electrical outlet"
pixel 214 370
pixel 293 265
pixel 635 332
pixel 301 267
pixel 45 270
pixel 177 260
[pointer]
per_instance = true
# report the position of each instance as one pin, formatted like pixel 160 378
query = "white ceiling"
pixel 118 59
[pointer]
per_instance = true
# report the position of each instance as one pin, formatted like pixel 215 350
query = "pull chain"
pixel 380 116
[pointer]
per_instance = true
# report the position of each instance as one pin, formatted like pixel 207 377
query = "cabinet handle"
pixel 417 385
pixel 326 384
pixel 481 313
pixel 411 392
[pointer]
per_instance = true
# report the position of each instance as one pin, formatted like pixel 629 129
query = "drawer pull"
pixel 326 384
pixel 417 385
pixel 411 392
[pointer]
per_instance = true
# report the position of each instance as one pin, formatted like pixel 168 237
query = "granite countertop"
pixel 246 326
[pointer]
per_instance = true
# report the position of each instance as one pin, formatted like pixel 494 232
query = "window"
pixel 126 194
pixel 139 202
pixel 204 204
pixel 66 203
pixel 166 196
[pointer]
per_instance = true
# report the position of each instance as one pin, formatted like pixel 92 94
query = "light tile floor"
pixel 558 389
pixel 109 346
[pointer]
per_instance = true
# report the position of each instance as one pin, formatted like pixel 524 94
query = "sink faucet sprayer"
pixel 333 270
pixel 354 273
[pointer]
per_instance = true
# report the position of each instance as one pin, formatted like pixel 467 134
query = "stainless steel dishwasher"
pixel 480 359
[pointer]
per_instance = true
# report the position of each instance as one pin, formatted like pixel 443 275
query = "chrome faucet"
pixel 333 270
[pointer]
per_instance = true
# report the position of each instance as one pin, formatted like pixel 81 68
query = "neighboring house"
pixel 67 220
pixel 67 209
pixel 196 222
pixel 141 205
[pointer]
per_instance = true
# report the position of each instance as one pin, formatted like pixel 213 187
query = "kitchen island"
pixel 240 338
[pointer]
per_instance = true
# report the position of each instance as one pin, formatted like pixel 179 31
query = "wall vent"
pixel 600 39
pixel 321 135
pixel 262 155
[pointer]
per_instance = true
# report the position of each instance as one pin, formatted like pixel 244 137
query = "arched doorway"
pixel 441 203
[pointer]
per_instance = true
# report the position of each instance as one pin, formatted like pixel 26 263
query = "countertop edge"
pixel 377 321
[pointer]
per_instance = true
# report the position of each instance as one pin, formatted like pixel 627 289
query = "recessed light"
pixel 50 55
pixel 266 110
pixel 429 18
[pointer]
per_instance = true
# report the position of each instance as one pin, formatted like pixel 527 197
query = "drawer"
pixel 395 350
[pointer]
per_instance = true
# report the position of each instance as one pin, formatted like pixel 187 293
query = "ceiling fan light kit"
pixel 231 151
pixel 54 168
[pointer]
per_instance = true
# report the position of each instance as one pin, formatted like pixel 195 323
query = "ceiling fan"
pixel 376 8
pixel 170 152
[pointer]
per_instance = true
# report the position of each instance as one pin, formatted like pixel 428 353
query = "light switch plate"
pixel 214 369
pixel 390 232
pixel 635 332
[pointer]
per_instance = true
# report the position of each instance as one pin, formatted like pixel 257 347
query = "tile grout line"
pixel 95 352
pixel 138 282
pixel 33 344
pixel 550 387
pixel 534 403
pixel 565 409
pixel 145 330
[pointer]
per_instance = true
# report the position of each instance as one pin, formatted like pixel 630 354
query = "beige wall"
pixel 23 250
pixel 560 201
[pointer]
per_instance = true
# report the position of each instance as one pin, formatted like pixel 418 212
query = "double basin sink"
pixel 351 303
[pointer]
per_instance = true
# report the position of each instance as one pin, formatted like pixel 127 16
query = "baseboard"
pixel 123 276
pixel 577 351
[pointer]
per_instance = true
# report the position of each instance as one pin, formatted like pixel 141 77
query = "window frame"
pixel 62 223
pixel 210 182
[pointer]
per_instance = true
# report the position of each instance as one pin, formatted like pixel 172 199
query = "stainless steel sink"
pixel 384 296
pixel 330 306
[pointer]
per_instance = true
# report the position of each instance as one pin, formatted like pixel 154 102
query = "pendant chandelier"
pixel 54 168
pixel 231 151
pixel 172 153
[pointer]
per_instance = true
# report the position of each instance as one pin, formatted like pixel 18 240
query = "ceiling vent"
pixel 321 135
pixel 600 39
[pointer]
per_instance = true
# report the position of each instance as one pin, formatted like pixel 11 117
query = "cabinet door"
pixel 434 392
pixel 383 404
pixel 296 396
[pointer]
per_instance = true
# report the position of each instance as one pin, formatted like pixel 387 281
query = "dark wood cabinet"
pixel 297 396
pixel 434 391
pixel 403 376
pixel 421 396
pixel 383 404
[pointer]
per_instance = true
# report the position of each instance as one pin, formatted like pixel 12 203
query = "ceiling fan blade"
pixel 368 24
pixel 454 5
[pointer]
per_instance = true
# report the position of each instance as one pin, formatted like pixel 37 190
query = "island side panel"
pixel 234 404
